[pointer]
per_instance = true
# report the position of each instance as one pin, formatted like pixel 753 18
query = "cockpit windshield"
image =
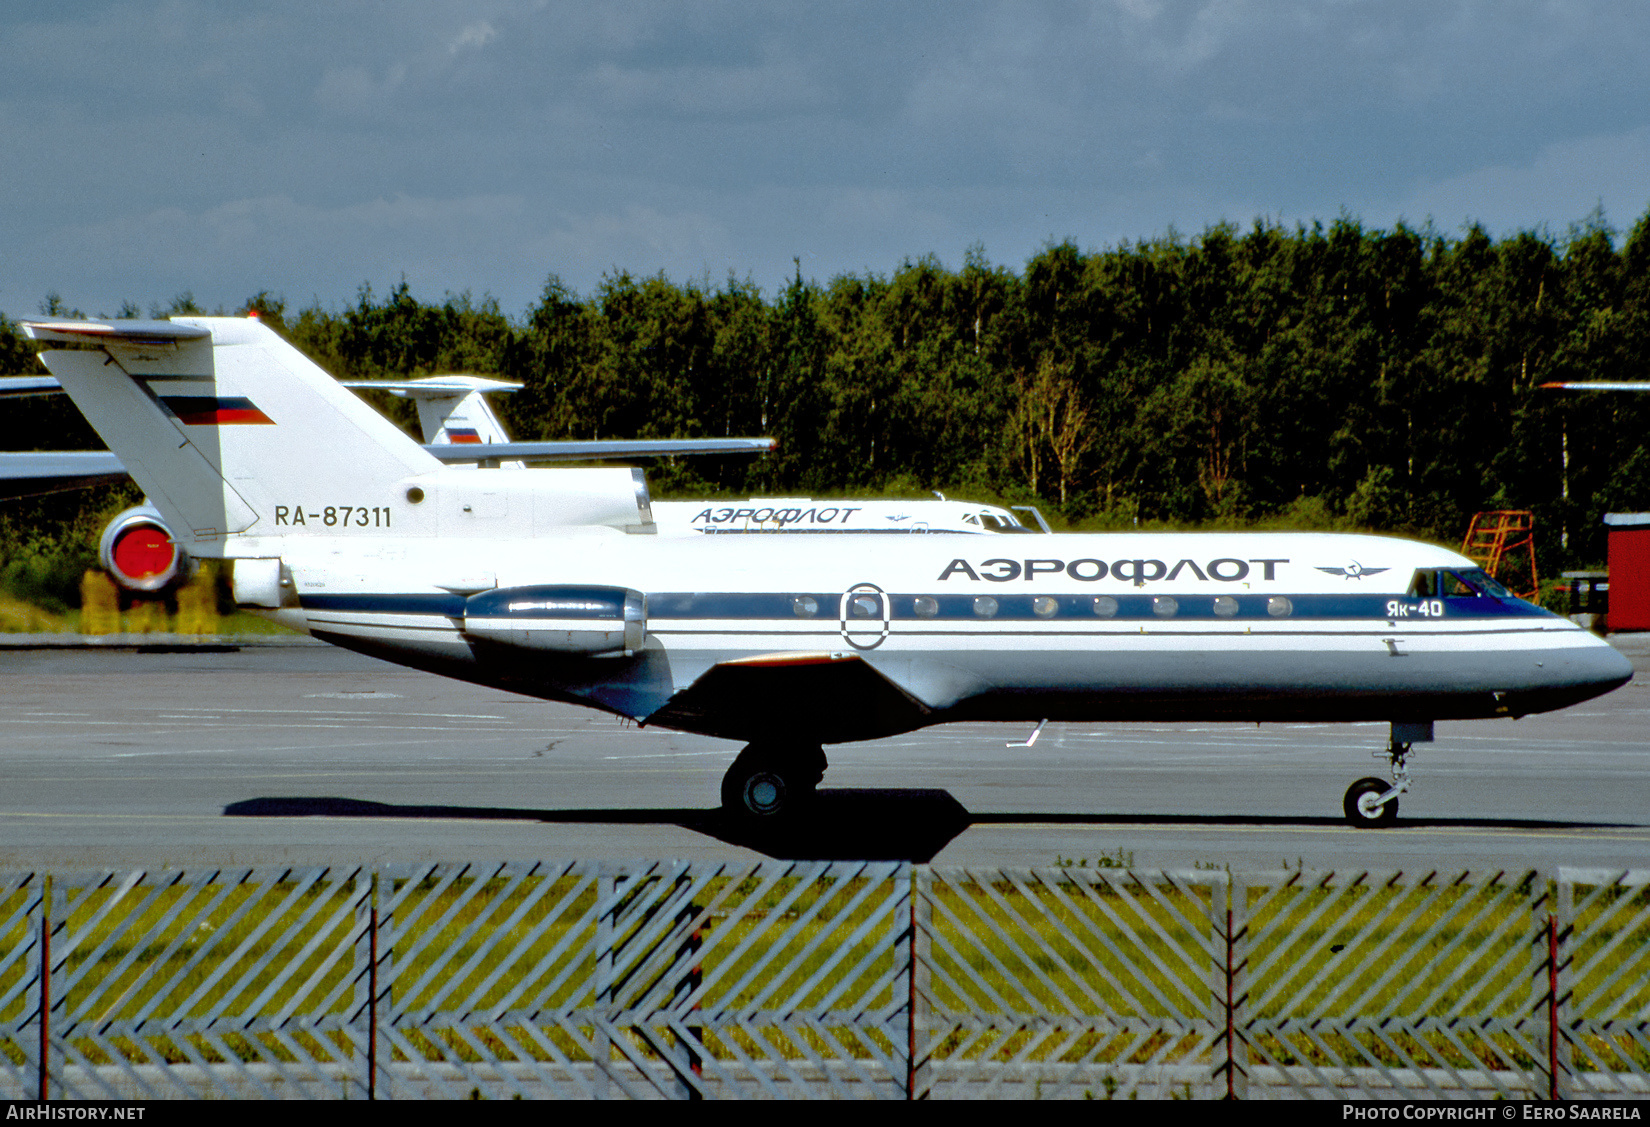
pixel 993 522
pixel 1480 579
pixel 1455 583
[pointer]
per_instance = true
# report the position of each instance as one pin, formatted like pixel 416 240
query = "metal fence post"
pixel 372 988
pixel 1237 986
pixel 601 1044
pixel 692 977
pixel 1560 984
pixel 46 892
pixel 918 955
pixel 361 1057
pixel 1552 1007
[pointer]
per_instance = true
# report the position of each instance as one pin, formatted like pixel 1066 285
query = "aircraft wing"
pixel 581 450
pixel 435 387
pixel 14 386
pixel 32 473
pixel 1599 385
pixel 743 698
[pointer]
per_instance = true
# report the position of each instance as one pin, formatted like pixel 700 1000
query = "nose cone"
pixel 1574 674
pixel 1619 671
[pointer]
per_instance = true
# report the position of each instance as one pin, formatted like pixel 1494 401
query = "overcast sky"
pixel 156 146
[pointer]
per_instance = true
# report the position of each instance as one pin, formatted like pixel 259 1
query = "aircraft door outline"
pixel 862 615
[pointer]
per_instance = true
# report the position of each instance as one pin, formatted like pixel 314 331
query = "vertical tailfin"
pixel 218 419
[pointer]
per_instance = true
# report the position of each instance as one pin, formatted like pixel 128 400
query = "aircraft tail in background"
pixel 452 410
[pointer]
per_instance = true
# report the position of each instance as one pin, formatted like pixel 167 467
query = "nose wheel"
pixel 768 782
pixel 1367 805
pixel 1371 803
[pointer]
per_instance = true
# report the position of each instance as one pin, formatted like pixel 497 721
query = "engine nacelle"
pixel 577 621
pixel 138 552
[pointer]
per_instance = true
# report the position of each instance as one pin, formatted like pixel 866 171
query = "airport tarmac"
pixel 191 756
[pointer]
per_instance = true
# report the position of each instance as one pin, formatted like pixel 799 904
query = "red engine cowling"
pixel 138 552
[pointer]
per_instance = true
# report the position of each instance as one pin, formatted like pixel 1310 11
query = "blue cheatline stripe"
pixel 1139 608
pixel 1130 607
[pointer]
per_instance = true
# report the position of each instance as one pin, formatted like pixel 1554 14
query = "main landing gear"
pixel 1371 803
pixel 769 781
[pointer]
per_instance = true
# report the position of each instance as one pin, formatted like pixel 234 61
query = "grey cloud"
pixel 484 144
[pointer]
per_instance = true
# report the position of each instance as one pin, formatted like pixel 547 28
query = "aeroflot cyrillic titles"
pixel 1226 569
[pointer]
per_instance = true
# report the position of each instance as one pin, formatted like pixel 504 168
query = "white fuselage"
pixel 1241 626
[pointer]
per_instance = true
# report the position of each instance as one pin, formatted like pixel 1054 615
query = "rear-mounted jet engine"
pixel 138 553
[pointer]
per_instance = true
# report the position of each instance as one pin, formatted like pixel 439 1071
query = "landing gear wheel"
pixel 767 783
pixel 761 794
pixel 1363 806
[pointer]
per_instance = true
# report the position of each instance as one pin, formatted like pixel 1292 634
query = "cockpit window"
pixel 1452 586
pixel 1463 583
pixel 1478 578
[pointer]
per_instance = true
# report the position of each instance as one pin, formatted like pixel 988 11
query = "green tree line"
pixel 1316 376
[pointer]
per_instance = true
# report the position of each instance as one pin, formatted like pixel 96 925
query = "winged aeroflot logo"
pixel 1353 570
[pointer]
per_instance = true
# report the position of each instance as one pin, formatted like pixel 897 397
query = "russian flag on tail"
pixel 214 411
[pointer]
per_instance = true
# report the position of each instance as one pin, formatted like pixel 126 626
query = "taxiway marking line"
pixel 1442 831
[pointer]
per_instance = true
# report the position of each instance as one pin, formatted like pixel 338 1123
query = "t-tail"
pixel 218 419
pixel 452 410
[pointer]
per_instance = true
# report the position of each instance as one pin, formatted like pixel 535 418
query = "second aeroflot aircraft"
pixel 455 416
pixel 556 587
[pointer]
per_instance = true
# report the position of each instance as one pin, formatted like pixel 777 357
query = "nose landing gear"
pixel 1371 803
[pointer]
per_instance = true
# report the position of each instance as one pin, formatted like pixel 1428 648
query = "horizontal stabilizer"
pixel 104 332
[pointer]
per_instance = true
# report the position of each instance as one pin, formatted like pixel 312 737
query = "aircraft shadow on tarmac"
pixel 840 825
pixel 861 825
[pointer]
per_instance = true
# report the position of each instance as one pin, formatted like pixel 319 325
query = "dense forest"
pixel 1315 377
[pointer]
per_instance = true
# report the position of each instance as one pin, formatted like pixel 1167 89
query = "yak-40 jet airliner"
pixel 553 583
